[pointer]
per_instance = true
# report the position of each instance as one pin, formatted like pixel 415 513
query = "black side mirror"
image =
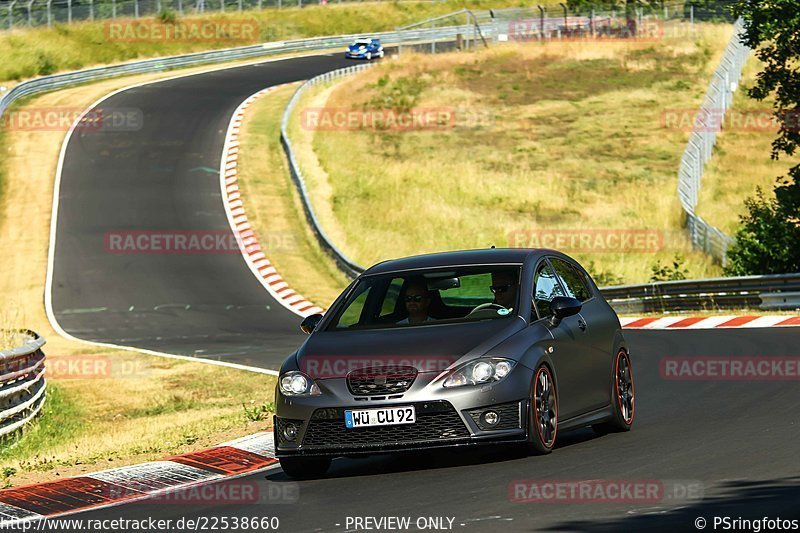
pixel 562 307
pixel 309 323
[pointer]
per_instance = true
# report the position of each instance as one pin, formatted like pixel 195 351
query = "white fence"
pixel 699 150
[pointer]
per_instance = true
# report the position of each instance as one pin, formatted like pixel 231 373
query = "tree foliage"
pixel 769 239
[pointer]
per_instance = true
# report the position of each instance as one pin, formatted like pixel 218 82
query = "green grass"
pixel 59 421
pixel 41 51
pixel 560 137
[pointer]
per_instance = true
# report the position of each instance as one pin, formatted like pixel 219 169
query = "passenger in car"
pixel 417 300
pixel 504 288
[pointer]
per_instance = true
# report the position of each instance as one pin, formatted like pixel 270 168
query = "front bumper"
pixel 445 418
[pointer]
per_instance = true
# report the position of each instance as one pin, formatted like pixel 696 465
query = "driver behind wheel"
pixel 504 288
pixel 417 300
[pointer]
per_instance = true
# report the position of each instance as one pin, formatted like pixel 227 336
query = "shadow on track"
pixel 738 499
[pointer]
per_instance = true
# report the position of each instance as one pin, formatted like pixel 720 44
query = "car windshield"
pixel 431 296
pixel 361 43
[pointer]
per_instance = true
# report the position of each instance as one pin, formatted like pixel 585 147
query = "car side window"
pixel 354 308
pixel 545 288
pixel 572 280
pixel 392 294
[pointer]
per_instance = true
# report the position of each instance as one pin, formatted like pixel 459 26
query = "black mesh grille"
pixel 280 423
pixel 381 380
pixel 436 421
pixel 509 416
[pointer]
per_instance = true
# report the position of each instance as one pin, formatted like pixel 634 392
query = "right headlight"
pixel 295 383
pixel 480 371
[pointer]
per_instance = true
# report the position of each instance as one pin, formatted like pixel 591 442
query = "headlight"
pixel 480 371
pixel 296 383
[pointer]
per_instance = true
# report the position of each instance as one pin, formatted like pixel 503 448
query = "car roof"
pixel 486 256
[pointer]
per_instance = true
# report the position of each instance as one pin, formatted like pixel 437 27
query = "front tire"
pixel 305 467
pixel 543 419
pixel 622 397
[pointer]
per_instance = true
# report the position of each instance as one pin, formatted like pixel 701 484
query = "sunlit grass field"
pixel 742 159
pixel 41 51
pixel 546 138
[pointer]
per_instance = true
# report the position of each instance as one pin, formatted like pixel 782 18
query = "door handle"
pixel 582 324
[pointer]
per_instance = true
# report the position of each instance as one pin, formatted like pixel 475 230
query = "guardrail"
pixel 775 291
pixel 23 387
pixel 59 81
pixel 699 149
pixel 347 266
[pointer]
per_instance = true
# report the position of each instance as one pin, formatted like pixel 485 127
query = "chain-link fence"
pixel 699 150
pixel 27 13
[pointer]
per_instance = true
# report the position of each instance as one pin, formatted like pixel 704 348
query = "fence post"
pixel 158 6
pixel 240 6
pixel 30 17
pixel 69 11
pixel 113 9
pixel 91 9
pixel 49 13
pixel 11 14
pixel 136 9
pixel 180 7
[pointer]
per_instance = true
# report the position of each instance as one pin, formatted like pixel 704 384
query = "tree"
pixel 769 239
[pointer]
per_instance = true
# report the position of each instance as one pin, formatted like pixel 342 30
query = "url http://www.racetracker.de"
pixel 149 524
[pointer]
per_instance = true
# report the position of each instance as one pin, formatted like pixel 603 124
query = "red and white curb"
pixel 237 217
pixel 233 459
pixel 710 322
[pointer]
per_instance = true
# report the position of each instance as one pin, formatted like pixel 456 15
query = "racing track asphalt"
pixel 164 177
pixel 738 439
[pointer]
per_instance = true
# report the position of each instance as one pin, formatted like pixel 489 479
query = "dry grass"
pixel 548 137
pixel 741 159
pixel 273 205
pixel 41 51
pixel 159 408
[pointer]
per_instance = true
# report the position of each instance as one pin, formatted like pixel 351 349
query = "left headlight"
pixel 296 383
pixel 479 372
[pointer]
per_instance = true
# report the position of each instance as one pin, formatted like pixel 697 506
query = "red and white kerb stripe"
pixel 251 249
pixel 709 322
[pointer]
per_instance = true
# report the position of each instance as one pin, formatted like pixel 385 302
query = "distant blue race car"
pixel 364 49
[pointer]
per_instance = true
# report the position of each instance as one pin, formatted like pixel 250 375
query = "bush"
pixel 167 15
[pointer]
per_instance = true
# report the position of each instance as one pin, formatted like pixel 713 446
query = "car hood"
pixel 426 348
pixel 357 47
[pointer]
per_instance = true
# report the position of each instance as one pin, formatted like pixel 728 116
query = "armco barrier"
pixel 58 81
pixel 22 384
pixel 775 291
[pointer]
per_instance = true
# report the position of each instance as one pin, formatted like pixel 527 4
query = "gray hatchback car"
pixel 454 349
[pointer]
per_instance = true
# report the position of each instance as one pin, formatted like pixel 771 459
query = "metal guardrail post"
pixel 11 14
pixel 23 387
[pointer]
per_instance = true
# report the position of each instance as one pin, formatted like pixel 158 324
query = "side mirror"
pixel 310 322
pixel 562 307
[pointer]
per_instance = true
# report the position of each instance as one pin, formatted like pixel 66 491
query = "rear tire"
pixel 305 467
pixel 622 397
pixel 543 416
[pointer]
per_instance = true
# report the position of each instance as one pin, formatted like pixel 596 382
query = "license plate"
pixel 388 416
